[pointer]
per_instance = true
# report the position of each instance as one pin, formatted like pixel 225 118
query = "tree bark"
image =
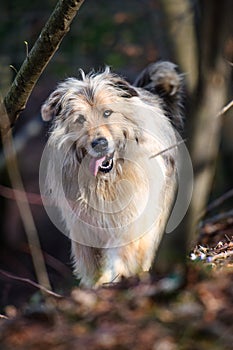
pixel 43 50
pixel 199 49
pixel 210 98
pixel 179 18
pixel 180 28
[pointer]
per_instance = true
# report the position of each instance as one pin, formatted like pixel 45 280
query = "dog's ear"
pixel 127 90
pixel 52 106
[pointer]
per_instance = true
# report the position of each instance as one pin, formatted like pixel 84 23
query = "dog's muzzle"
pixel 103 162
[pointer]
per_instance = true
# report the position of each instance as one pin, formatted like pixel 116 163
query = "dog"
pixel 112 169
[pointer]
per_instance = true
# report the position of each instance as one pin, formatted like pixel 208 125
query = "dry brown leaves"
pixel 131 315
pixel 179 312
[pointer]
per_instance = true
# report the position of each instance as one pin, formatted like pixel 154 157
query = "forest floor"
pixel 178 312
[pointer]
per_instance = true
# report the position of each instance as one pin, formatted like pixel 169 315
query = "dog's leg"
pixel 129 260
pixel 87 262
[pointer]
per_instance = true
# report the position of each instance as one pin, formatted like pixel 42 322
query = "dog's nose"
pixel 100 145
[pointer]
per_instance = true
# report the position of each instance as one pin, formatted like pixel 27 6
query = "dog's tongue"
pixel 95 163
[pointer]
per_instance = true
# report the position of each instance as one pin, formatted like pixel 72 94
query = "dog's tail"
pixel 162 79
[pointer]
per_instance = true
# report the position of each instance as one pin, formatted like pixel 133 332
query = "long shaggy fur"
pixel 113 195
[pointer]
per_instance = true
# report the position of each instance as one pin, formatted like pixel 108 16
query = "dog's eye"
pixel 81 119
pixel 107 113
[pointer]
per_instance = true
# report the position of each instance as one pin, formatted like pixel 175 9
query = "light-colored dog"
pixel 112 167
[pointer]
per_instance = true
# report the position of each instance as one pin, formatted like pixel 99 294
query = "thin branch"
pixel 32 283
pixel 39 56
pixel 225 109
pixel 26 46
pixel 218 217
pixel 3 317
pixel 167 149
pixel 10 193
pixel 219 201
pixel 13 68
pixel 23 206
pixel 223 255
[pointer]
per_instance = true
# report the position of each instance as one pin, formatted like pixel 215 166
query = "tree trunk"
pixel 211 96
pixel 198 37
pixel 179 18
pixel 180 27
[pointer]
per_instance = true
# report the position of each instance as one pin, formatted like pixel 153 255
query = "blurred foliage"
pixel 121 34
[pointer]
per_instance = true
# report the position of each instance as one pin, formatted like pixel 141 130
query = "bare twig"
pixel 36 61
pixel 32 283
pixel 225 109
pixel 3 317
pixel 222 255
pixel 24 208
pixel 13 68
pixel 10 193
pixel 168 149
pixel 218 217
pixel 26 46
pixel 219 201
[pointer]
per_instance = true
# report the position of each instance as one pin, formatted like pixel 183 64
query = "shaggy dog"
pixel 112 167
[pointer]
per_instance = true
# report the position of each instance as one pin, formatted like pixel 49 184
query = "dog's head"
pixel 94 118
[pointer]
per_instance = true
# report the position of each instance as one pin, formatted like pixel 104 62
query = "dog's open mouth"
pixel 103 164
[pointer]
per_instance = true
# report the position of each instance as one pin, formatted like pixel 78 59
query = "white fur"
pixel 115 220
